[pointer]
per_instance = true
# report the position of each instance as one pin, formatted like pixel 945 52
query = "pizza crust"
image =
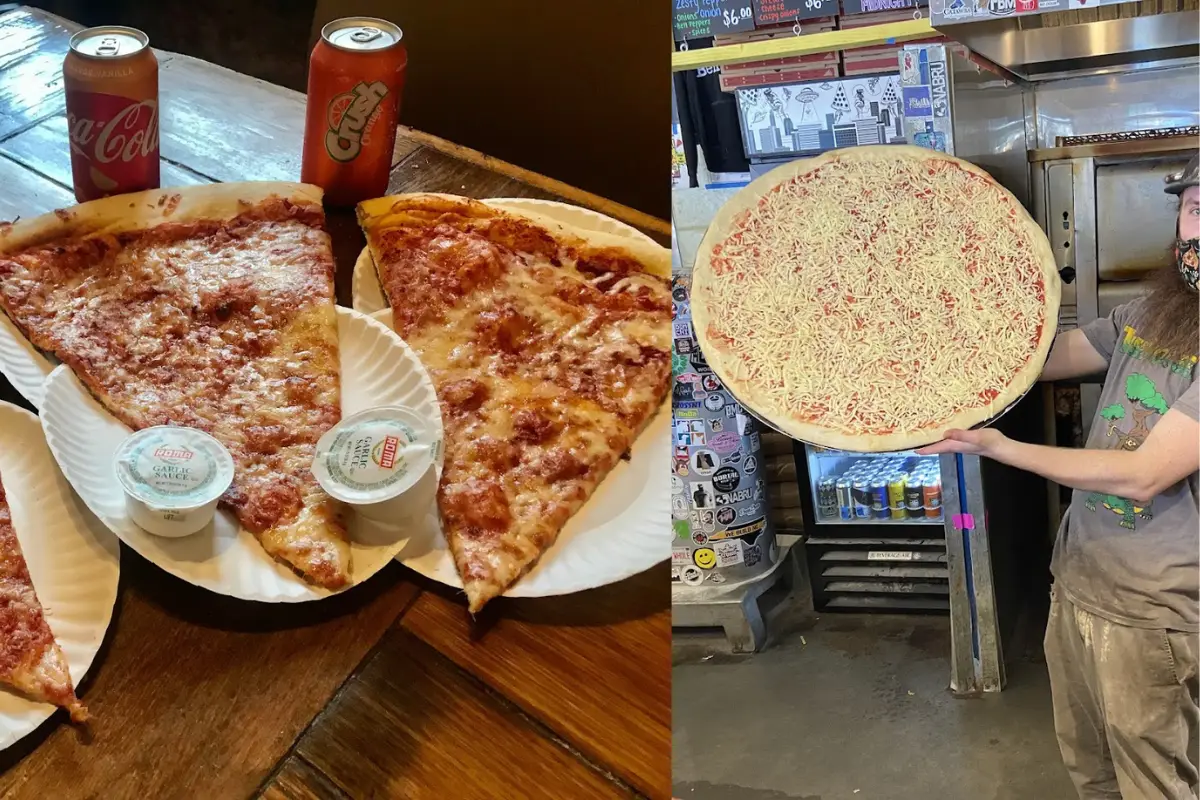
pixel 385 211
pixel 138 211
pixel 145 210
pixel 723 362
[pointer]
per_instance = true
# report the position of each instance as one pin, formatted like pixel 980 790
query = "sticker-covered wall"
pixel 719 490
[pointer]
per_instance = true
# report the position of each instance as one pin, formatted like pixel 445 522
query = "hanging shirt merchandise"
pixel 1130 562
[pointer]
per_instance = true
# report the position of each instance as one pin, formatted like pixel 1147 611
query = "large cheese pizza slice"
pixel 871 298
pixel 550 352
pixel 31 661
pixel 210 307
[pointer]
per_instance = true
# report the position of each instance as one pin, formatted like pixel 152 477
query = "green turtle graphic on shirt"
pixel 1146 399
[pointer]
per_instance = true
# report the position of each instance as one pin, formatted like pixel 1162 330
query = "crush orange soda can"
pixel 355 79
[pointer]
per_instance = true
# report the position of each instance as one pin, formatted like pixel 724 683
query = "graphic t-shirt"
pixel 1131 563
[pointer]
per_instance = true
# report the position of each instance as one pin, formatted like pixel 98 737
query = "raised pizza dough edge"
pixel 656 258
pixel 142 210
pixel 719 359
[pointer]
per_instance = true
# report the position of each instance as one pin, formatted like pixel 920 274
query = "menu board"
pixel 777 12
pixel 949 11
pixel 699 19
pixel 870 6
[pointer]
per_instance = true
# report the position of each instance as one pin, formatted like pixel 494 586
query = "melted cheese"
pixel 877 297
pixel 227 328
pixel 30 660
pixel 547 368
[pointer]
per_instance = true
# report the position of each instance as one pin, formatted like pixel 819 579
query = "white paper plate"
pixel 377 369
pixel 20 362
pixel 73 560
pixel 621 531
pixel 367 294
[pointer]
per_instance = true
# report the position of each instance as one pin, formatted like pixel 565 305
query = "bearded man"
pixel 1121 642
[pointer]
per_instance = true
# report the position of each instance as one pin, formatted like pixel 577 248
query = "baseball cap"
pixel 1186 178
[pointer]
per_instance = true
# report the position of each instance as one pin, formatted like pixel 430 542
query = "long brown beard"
pixel 1171 319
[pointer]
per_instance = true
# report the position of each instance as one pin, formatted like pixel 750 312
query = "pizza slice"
pixel 31 661
pixel 210 307
pixel 550 351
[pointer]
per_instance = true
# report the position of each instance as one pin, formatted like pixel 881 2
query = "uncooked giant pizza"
pixel 210 307
pixel 871 298
pixel 550 350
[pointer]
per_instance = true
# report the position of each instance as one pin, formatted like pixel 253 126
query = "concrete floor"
pixel 856 707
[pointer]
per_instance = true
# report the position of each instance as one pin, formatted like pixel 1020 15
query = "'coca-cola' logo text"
pixel 130 133
pixel 351 117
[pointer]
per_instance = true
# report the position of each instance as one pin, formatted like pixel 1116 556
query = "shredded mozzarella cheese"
pixel 876 297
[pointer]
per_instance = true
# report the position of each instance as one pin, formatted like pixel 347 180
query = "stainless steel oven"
pixel 1102 205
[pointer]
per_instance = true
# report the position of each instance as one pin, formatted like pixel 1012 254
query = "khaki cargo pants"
pixel 1125 705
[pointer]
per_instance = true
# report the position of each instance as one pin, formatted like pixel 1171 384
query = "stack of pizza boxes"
pixel 777 71
pixel 875 59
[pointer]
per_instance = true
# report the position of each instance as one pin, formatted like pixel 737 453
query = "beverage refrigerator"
pixel 952 534
pixel 876 527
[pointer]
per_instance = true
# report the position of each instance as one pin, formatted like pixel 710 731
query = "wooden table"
pixel 389 690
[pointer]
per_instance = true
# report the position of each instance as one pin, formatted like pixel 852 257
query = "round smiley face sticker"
pixel 705 558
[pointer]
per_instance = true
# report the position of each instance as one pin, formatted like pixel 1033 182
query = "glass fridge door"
pixel 874 488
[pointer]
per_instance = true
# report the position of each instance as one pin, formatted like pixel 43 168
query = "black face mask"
pixel 1187 258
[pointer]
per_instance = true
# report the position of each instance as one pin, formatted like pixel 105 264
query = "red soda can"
pixel 111 80
pixel 355 79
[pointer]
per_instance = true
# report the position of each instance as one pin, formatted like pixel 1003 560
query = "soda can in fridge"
pixel 827 500
pixel 897 502
pixel 845 497
pixel 914 497
pixel 861 490
pixel 932 497
pixel 879 498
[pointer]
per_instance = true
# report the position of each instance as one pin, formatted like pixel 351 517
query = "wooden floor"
pixel 389 690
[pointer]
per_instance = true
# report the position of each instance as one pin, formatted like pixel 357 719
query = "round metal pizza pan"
pixel 767 423
pixel 762 183
pixel 992 421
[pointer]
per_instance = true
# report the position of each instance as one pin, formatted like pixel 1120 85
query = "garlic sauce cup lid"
pixel 375 455
pixel 172 467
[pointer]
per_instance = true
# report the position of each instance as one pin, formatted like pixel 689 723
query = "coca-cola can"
pixel 111 81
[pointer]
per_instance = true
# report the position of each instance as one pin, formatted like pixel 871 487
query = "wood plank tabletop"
pixel 391 689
